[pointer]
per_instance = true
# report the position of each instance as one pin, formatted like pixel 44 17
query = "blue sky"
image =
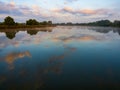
pixel 60 10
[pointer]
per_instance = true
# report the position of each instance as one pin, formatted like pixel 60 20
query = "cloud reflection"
pixel 56 61
pixel 26 37
pixel 35 75
pixel 59 34
pixel 86 38
pixel 40 73
pixel 11 57
pixel 74 38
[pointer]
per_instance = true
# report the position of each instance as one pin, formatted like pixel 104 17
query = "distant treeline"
pixel 107 23
pixel 10 23
pixel 31 23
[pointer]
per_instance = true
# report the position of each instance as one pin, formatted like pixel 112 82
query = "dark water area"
pixel 61 58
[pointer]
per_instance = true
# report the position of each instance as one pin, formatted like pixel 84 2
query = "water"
pixel 60 58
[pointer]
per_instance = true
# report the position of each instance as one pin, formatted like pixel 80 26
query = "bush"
pixel 9 21
pixel 32 22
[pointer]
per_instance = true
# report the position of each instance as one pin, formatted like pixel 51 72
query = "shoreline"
pixel 25 26
pixel 91 26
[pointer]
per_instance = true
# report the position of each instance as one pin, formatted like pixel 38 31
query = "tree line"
pixel 116 23
pixel 107 23
pixel 9 21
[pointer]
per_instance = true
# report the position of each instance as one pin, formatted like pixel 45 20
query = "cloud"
pixel 23 11
pixel 8 8
pixel 70 1
pixel 81 11
pixel 56 14
pixel 69 14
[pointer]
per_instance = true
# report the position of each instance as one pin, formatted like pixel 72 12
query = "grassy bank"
pixel 24 26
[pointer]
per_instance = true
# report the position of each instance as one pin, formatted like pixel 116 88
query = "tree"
pixel 9 21
pixel 100 23
pixel 44 23
pixel 69 23
pixel 32 22
pixel 49 22
pixel 104 23
pixel 1 23
pixel 116 23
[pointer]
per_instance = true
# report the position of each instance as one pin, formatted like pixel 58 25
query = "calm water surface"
pixel 63 57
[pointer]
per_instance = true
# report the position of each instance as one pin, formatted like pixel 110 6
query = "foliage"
pixel 43 23
pixel 116 23
pixel 46 23
pixel 49 22
pixel 101 23
pixel 9 21
pixel 106 23
pixel 32 22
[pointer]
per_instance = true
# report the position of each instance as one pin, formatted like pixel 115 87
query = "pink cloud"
pixel 81 11
pixel 65 14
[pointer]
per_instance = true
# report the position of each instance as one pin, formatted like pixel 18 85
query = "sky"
pixel 59 11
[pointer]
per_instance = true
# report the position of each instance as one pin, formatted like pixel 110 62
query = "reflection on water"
pixel 105 29
pixel 11 34
pixel 32 32
pixel 63 57
pixel 10 58
pixel 13 56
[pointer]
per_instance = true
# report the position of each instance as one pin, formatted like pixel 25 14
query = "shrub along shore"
pixel 102 23
pixel 9 23
pixel 24 26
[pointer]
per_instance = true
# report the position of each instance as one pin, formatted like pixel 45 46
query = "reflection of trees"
pixel 32 32
pixel 101 29
pixel 46 30
pixel 10 34
pixel 35 31
pixel 118 31
pixel 105 29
